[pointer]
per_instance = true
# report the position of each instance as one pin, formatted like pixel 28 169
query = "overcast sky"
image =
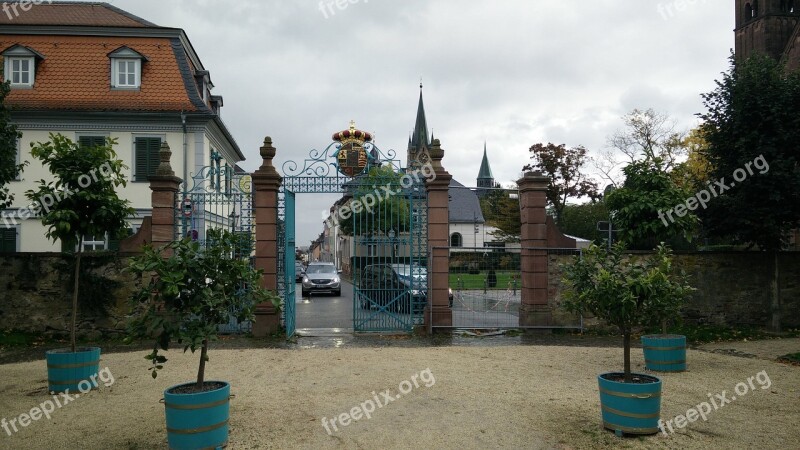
pixel 509 72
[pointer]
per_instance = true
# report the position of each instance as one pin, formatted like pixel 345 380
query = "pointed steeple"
pixel 420 137
pixel 485 176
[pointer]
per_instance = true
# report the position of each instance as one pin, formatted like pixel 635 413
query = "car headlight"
pixel 305 279
pixel 336 279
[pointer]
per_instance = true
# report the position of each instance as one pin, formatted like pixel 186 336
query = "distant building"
pixel 769 27
pixel 485 176
pixel 91 71
pixel 468 227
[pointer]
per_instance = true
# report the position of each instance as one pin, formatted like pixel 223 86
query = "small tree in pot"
pixel 82 201
pixel 187 291
pixel 627 294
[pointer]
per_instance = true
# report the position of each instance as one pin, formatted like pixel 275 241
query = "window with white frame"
pixel 94 243
pixel 20 65
pixel 127 73
pixel 126 68
pixel 22 71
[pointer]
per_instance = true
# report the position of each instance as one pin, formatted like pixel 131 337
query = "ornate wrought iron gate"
pixel 218 198
pixel 378 228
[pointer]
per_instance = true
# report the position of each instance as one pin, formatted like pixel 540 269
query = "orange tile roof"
pixel 71 14
pixel 76 75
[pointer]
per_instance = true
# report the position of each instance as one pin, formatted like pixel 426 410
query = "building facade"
pixel 90 72
pixel 769 27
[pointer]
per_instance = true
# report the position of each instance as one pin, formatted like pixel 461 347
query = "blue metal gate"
pixel 380 226
pixel 217 197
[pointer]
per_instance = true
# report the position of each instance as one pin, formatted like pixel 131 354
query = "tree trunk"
pixel 201 372
pixel 74 323
pixel 775 325
pixel 664 326
pixel 626 344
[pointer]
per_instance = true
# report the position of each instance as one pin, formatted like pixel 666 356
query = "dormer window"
pixel 20 66
pixel 126 68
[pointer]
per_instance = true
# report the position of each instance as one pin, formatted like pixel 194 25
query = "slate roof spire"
pixel 485 176
pixel 420 137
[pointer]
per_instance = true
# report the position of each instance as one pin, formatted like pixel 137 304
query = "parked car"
pixel 398 286
pixel 299 272
pixel 321 278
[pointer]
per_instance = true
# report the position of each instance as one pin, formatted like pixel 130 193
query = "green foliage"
pixel 639 208
pixel 378 205
pixel 581 221
pixel 188 290
pixel 9 135
pixel 624 292
pixel 753 113
pixel 83 200
pixel 501 211
pixel 650 136
pixel 563 166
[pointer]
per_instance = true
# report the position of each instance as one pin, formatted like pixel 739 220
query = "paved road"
pixel 325 310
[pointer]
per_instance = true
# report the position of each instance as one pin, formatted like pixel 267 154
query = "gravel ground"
pixel 483 397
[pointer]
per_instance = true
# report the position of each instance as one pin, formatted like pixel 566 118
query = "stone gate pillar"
pixel 266 183
pixel 165 187
pixel 534 310
pixel 438 312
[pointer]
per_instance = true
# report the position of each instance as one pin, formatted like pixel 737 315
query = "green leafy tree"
pixel 581 221
pixel 83 200
pixel 564 166
pixel 500 208
pixel 695 172
pixel 9 135
pixel 752 126
pixel 651 136
pixel 379 204
pixel 624 292
pixel 642 208
pixel 188 290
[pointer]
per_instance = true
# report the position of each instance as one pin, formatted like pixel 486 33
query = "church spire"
pixel 420 137
pixel 485 176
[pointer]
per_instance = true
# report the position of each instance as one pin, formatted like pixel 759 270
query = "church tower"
pixel 420 142
pixel 485 177
pixel 766 27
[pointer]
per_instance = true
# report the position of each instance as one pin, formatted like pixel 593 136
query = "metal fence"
pixel 486 284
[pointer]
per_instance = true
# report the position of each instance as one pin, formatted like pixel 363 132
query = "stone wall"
pixel 37 294
pixel 732 288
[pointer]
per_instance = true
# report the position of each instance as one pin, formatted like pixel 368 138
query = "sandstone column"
pixel 438 312
pixel 266 183
pixel 164 186
pixel 535 310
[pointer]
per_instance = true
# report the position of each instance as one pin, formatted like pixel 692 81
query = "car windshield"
pixel 420 274
pixel 321 269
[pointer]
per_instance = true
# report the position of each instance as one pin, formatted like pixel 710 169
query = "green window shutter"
pixel 8 240
pixel 147 159
pixel 91 141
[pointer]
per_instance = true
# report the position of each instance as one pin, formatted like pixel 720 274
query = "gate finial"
pixel 164 167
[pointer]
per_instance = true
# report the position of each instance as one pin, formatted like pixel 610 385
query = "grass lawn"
pixel 477 281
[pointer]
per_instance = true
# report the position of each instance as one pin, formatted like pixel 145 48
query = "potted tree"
pixel 187 290
pixel 81 201
pixel 627 294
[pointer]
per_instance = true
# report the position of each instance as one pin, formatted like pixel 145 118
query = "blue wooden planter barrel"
pixel 630 408
pixel 198 421
pixel 665 353
pixel 73 372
